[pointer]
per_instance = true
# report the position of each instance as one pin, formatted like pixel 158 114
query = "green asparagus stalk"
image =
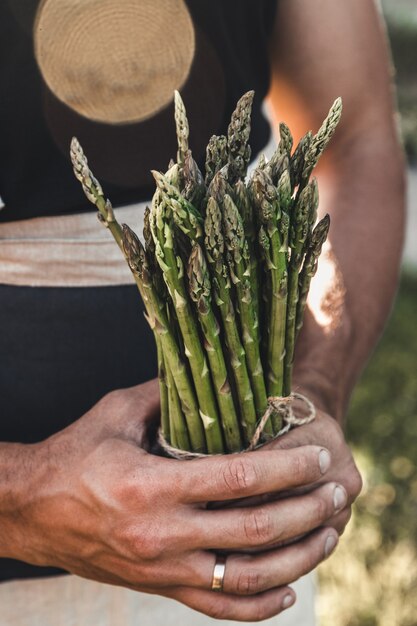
pixel 266 198
pixel 217 156
pixel 185 215
pixel 200 291
pixel 286 140
pixel 194 189
pixel 312 218
pixel 309 269
pixel 298 235
pixel 155 270
pixel 172 268
pixel 280 159
pixel 190 178
pixel 244 205
pixel 321 139
pixel 220 186
pixel 163 390
pixel 177 423
pixel 238 136
pixel 93 191
pixel 297 159
pixel 214 245
pixel 239 267
pixel 182 128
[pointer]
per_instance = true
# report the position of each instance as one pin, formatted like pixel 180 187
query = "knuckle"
pixel 260 612
pixel 322 508
pixel 219 609
pixel 114 402
pixel 257 527
pixel 113 397
pixel 146 544
pixel 248 582
pixel 240 476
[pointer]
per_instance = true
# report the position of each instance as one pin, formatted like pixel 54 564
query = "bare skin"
pixel 92 499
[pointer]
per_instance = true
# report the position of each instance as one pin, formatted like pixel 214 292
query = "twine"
pixel 277 405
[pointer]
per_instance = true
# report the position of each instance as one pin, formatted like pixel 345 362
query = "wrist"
pixel 19 475
pixel 324 394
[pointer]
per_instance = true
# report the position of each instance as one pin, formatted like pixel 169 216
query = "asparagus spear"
pixel 214 245
pixel 200 291
pixel 309 269
pixel 156 272
pixel 216 156
pixel 238 136
pixel 163 390
pixel 297 159
pixel 177 423
pixel 185 215
pixel 244 205
pixel 172 268
pixel 298 235
pixel 220 185
pixel 190 178
pixel 93 191
pixel 321 139
pixel 286 139
pixel 313 149
pixel 182 128
pixel 194 189
pixel 266 198
pixel 280 159
pixel 239 267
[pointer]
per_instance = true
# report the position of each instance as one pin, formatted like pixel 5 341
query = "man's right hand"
pixel 93 501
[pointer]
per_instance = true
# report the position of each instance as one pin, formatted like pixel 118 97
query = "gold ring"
pixel 218 573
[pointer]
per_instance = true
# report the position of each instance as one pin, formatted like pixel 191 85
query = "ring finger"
pixel 249 574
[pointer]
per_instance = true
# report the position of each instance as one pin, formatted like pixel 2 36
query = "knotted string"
pixel 277 405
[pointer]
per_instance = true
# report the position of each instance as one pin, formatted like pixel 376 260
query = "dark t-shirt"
pixel 58 79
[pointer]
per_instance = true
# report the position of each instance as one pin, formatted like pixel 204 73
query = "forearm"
pixel 321 50
pixel 362 187
pixel 17 471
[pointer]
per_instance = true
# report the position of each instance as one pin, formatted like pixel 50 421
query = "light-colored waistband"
pixel 65 251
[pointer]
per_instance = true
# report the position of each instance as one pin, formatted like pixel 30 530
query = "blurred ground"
pixel 372 579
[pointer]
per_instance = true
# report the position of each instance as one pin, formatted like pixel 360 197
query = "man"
pixel 90 499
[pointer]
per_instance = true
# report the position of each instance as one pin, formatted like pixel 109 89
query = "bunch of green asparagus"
pixel 224 272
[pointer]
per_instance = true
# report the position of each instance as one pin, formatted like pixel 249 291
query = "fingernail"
pixel 287 601
pixel 339 498
pixel 329 546
pixel 324 461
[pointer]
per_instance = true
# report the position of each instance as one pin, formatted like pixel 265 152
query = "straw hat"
pixel 114 61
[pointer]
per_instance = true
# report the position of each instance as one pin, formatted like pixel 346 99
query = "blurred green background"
pixel 372 578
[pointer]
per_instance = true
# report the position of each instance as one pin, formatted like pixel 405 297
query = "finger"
pixel 249 575
pixel 340 520
pixel 235 476
pixel 265 525
pixel 225 606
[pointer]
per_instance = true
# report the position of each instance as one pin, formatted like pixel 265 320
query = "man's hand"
pixel 324 431
pixel 92 500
